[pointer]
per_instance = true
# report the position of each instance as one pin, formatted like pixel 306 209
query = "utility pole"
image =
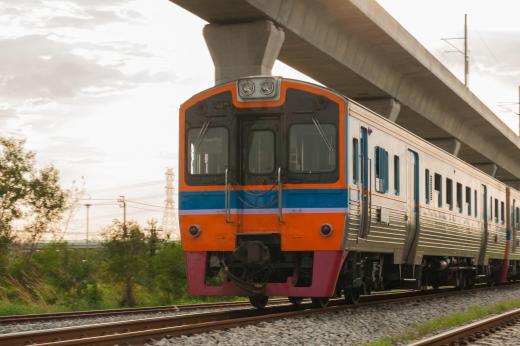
pixel 466 55
pixel 88 221
pixel 122 203
pixel 464 52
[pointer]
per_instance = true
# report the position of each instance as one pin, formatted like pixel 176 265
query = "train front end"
pixel 262 189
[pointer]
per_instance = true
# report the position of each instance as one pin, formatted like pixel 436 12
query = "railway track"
pixel 141 331
pixel 122 312
pixel 472 332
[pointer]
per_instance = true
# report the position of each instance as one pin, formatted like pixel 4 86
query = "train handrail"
pixel 280 194
pixel 227 207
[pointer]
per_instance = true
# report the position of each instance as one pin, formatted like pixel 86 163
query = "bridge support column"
pixel 244 49
pixel 488 168
pixel 451 145
pixel 387 107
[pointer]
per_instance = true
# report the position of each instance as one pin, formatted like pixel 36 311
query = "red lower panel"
pixel 326 267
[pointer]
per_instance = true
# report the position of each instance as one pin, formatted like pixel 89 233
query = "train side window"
pixel 355 160
pixel 475 203
pixel 468 200
pixel 517 217
pixel 381 169
pixel 459 197
pixel 449 193
pixel 491 208
pixel 502 219
pixel 396 175
pixel 438 189
pixel 496 210
pixel 427 186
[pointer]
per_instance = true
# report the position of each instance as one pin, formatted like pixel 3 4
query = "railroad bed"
pixel 335 324
pixel 502 329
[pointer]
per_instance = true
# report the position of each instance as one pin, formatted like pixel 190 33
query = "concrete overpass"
pixel 357 48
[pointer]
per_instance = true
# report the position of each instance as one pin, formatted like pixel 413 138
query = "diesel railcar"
pixel 290 189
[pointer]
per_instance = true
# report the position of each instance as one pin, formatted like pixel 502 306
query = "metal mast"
pixel 169 222
pixel 466 56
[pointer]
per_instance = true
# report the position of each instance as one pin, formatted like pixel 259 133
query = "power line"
pixel 147 204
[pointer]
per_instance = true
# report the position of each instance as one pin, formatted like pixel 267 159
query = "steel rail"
pixel 138 332
pixel 124 311
pixel 473 331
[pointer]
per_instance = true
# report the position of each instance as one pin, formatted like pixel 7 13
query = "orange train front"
pixel 263 193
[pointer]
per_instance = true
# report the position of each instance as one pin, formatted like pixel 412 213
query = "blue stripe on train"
pixel 305 198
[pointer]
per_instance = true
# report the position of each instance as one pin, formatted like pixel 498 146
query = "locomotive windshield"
pixel 261 156
pixel 298 139
pixel 311 148
pixel 208 150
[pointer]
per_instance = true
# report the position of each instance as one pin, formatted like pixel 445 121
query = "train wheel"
pixel 320 302
pixel 352 295
pixel 460 280
pixel 296 301
pixel 258 302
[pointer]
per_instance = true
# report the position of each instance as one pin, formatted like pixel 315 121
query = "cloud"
pixel 37 66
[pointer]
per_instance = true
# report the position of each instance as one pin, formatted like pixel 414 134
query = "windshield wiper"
pixel 201 135
pixel 329 145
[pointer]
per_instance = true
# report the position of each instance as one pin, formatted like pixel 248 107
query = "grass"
pixel 8 308
pixel 452 320
pixel 11 308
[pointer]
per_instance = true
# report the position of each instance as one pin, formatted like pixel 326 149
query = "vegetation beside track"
pixel 133 267
pixel 438 324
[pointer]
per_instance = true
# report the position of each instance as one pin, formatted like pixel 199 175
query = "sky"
pixel 94 86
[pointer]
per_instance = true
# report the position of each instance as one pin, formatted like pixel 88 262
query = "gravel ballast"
pixel 349 327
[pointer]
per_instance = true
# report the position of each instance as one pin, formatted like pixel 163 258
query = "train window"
pixel 396 175
pixel 459 197
pixel 517 217
pixel 207 150
pixel 449 193
pixel 468 200
pixel 475 203
pixel 381 169
pixel 496 210
pixel 490 208
pixel 502 219
pixel 312 148
pixel 261 156
pixel 427 186
pixel 355 160
pixel 438 189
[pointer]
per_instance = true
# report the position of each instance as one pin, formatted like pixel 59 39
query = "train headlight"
pixel 326 230
pixel 267 87
pixel 194 231
pixel 246 88
pixel 258 88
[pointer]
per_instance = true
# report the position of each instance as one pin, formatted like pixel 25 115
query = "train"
pixel 290 189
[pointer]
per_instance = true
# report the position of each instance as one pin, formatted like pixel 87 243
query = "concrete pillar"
pixel 244 49
pixel 387 107
pixel 451 145
pixel 488 168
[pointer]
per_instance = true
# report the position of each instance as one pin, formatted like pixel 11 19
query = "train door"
pixel 366 188
pixel 514 222
pixel 412 191
pixel 260 166
pixel 484 223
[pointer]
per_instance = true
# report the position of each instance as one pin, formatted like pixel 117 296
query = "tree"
pixel 31 196
pixel 125 252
